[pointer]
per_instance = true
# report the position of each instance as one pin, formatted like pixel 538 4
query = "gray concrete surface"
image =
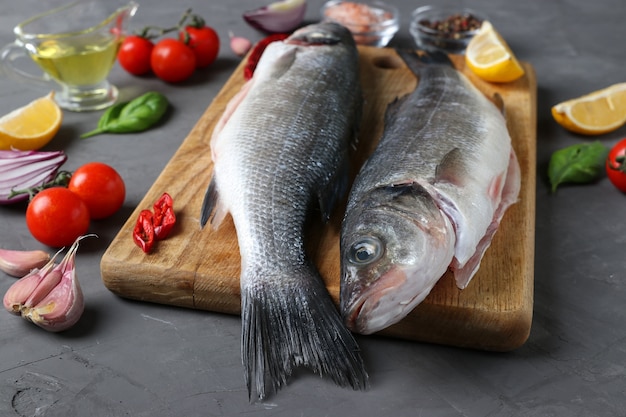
pixel 128 358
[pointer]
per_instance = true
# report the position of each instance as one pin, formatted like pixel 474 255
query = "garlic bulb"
pixel 18 263
pixel 49 297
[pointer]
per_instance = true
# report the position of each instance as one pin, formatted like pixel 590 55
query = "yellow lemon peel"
pixel 490 58
pixel 596 113
pixel 32 126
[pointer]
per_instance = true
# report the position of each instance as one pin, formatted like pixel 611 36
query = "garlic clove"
pixel 19 292
pixel 22 289
pixel 19 263
pixel 61 308
pixel 45 286
pixel 239 45
pixel 52 297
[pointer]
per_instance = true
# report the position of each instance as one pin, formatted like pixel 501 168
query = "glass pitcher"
pixel 76 46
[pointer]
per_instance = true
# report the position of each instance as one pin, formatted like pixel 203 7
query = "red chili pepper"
pixel 164 216
pixel 255 55
pixel 143 233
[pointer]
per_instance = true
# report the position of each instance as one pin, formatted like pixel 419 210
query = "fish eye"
pixel 366 250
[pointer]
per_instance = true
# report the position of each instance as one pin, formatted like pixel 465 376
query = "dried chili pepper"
pixel 164 217
pixel 143 233
pixel 255 55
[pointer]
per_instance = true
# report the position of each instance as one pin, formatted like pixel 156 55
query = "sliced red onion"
pixel 279 17
pixel 20 170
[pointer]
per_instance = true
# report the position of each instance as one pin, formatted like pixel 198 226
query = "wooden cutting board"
pixel 199 269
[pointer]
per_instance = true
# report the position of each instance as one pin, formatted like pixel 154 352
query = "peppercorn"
pixel 452 27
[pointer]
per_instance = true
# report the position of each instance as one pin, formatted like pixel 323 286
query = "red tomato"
pixel 616 165
pixel 100 187
pixel 57 217
pixel 172 60
pixel 134 54
pixel 204 42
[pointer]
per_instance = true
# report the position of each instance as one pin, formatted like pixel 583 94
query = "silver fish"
pixel 428 199
pixel 280 151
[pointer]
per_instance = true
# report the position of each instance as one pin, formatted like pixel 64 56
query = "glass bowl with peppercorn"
pixel 372 23
pixel 444 29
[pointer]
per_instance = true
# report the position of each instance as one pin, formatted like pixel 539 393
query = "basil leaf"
pixel 141 113
pixel 110 114
pixel 134 116
pixel 581 163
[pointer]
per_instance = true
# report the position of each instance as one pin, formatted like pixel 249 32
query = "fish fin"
pixel 450 168
pixel 416 61
pixel 499 103
pixel 212 206
pixel 393 109
pixel 510 191
pixel 279 334
pixel 329 196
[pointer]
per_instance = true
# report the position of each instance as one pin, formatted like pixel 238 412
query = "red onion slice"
pixel 279 17
pixel 26 169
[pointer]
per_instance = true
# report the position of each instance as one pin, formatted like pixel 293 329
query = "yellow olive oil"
pixel 86 61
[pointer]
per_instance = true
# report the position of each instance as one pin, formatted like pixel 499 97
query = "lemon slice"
pixel 596 113
pixel 490 58
pixel 32 126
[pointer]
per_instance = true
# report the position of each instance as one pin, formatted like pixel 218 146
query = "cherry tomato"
pixel 100 187
pixel 134 54
pixel 204 42
pixel 616 165
pixel 57 217
pixel 172 60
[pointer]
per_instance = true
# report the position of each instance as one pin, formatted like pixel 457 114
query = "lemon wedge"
pixel 599 112
pixel 32 126
pixel 490 58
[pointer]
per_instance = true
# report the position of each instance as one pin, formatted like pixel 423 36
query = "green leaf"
pixel 134 116
pixel 581 164
pixel 112 113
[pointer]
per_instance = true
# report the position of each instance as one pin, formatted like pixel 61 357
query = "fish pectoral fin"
pixel 329 196
pixel 451 168
pixel 499 103
pixel 211 207
pixel 393 108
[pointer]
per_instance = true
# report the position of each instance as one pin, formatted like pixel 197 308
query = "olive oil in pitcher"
pixel 80 63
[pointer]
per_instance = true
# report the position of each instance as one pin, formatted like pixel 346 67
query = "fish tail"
pixel 417 61
pixel 295 324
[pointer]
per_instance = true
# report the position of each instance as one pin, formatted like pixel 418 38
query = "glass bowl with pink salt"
pixel 372 23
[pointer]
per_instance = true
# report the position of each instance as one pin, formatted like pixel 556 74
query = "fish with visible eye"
pixel 428 199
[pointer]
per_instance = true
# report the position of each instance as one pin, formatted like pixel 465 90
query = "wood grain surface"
pixel 199 268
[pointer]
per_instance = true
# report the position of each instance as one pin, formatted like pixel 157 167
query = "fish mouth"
pixel 381 305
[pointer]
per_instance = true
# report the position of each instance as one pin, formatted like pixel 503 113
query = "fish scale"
pixel 280 153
